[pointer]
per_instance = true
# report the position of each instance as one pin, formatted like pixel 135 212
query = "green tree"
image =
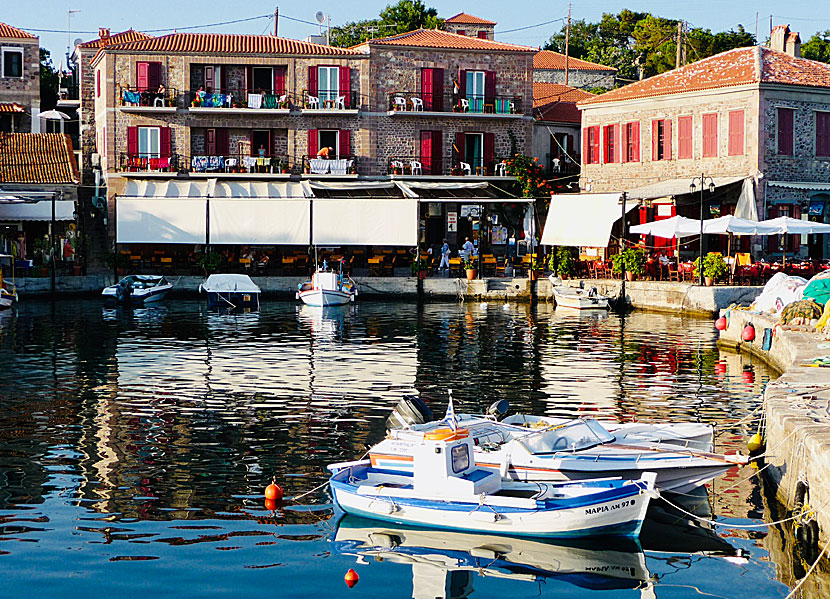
pixel 817 47
pixel 48 82
pixel 404 16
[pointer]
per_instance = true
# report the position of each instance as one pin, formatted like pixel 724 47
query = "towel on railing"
pixel 339 167
pixel 249 162
pixel 271 101
pixel 199 163
pixel 216 162
pixel 319 166
pixel 132 97
pixel 254 100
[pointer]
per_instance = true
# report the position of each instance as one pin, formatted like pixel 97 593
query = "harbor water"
pixel 135 445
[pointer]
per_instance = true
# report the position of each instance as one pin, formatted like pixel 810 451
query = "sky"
pixel 146 15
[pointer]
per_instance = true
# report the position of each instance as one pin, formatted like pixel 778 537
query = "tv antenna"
pixel 321 18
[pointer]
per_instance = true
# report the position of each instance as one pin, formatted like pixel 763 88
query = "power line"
pixel 500 32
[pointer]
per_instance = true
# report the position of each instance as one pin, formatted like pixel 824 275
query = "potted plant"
pixel 419 269
pixel 209 262
pixel 562 261
pixel 456 171
pixel 714 267
pixel 470 268
pixel 634 260
pixel 118 262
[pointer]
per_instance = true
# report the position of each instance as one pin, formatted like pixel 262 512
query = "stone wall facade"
pixel 24 90
pixel 471 29
pixel 578 78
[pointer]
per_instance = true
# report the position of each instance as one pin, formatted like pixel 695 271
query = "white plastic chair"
pixel 400 103
pixel 230 163
pixel 465 105
pixel 158 102
pixel 416 167
pixel 340 103
pixel 417 104
pixel 313 102
pixel 465 168
pixel 283 99
pixel 512 106
pixel 397 164
pixel 501 169
pixel 555 165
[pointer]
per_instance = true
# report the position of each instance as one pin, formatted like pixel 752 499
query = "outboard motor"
pixel 410 410
pixel 498 409
pixel 592 292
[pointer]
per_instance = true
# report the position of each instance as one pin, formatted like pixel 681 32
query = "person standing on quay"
pixel 445 256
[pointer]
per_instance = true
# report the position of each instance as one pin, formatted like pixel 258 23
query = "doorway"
pixel 329 139
pixel 474 151
pixel 260 142
pixel 263 79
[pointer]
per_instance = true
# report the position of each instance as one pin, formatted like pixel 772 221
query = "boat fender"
pixel 383 507
pixel 484 516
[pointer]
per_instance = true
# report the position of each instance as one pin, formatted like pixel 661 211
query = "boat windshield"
pixel 582 434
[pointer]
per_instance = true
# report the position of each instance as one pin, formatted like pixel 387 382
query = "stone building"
pixel 553 67
pixel 556 130
pixel 19 80
pixel 470 26
pixel 756 113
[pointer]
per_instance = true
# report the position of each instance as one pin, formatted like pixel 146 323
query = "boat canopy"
pixel 225 283
pixel 576 436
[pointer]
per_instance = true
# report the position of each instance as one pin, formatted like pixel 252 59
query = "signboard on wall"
pixel 498 235
pixel 470 210
pixel 452 222
pixel 664 209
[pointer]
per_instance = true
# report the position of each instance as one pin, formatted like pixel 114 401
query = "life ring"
pixel 446 434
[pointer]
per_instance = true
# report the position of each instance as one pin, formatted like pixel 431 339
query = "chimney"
pixel 778 38
pixel 103 32
pixel 793 44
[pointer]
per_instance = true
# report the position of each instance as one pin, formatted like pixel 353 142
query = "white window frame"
pixel 475 80
pixel 330 92
pixel 148 133
pixel 5 50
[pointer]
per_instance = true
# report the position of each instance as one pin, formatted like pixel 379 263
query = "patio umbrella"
pixel 676 226
pixel 54 115
pixel 738 226
pixel 785 225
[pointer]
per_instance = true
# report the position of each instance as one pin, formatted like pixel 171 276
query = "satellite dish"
pixel 78 41
pixel 320 16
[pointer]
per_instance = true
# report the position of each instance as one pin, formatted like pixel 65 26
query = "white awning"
pixel 582 219
pixel 259 222
pixel 160 220
pixel 29 211
pixel 145 188
pixel 806 185
pixel 380 221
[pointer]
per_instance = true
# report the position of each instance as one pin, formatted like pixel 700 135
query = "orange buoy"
pixel 351 578
pixel 273 491
pixel 446 434
pixel 748 334
pixel 721 324
pixel 271 505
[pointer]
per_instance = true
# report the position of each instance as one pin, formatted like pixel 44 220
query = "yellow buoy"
pixel 755 443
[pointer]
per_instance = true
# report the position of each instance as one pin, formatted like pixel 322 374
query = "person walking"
pixel 445 256
pixel 468 248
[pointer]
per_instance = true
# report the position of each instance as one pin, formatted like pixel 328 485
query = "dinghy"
pixel 137 289
pixel 578 298
pixel 231 291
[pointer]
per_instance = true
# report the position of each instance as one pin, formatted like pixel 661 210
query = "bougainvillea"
pixel 529 174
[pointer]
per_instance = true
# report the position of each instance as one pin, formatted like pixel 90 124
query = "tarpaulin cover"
pixel 165 220
pixel 818 288
pixel 260 222
pixel 28 211
pixel 582 219
pixel 780 291
pixel 365 222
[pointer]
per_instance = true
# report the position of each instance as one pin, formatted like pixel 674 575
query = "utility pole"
pixel 567 42
pixel 756 27
pixel 679 44
pixel 683 46
pixel 276 21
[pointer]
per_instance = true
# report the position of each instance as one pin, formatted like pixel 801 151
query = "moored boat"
pixel 138 289
pixel 447 490
pixel 578 298
pixel 231 291
pixel 326 288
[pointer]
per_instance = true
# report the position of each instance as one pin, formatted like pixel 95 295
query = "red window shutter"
pixel 249 80
pixel 279 80
pixel 437 152
pixel 482 35
pixel 462 84
pixel 438 89
pixel 667 139
pixel 222 142
pixel 459 146
pixel 684 137
pixel 165 142
pixel 98 83
pixel 312 143
pixel 210 142
pixel 595 144
pixel 427 85
pixel 569 144
pixel 153 75
pixel 636 147
pixel 586 153
pixel 132 141
pixel 210 78
pixel 710 135
pixel 141 73
pixel 462 32
pixel 346 84
pixel 617 148
pixel 489 87
pixel 736 133
pixel 785 131
pixel 312 81
pixel 489 151
pixel 822 133
pixel 345 143
pixel 606 145
pixel 654 139
pixel 624 155
pixel 426 151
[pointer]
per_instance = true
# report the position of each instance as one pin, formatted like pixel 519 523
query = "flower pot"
pixel 630 276
pixel 422 274
pixel 709 281
pixel 471 274
pixel 532 275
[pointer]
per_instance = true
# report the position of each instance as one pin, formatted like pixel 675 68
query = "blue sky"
pixel 146 15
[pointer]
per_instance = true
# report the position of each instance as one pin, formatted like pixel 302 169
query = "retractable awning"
pixel 583 219
pixel 161 220
pixel 260 221
pixel 37 211
pixel 803 185
pixel 365 222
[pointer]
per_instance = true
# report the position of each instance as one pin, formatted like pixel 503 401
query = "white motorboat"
pixel 138 289
pixel 578 298
pixel 8 292
pixel 577 449
pixel 327 288
pixel 447 489
pixel 231 291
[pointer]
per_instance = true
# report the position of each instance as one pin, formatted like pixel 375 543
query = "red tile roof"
pixel 435 38
pixel 466 19
pixel 14 107
pixel 548 60
pixel 130 35
pixel 741 66
pixel 8 31
pixel 229 43
pixel 555 102
pixel 37 158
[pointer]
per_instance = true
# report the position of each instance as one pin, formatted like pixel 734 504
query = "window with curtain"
pixel 475 90
pixel 12 63
pixel 149 142
pixel 328 83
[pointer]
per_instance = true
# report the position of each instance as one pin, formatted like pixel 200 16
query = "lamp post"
pixel 704 182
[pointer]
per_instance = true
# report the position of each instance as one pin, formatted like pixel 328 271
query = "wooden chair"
pixel 375 266
pixel 389 265
pixel 500 264
pixel 455 267
pixel 674 273
pixel 488 265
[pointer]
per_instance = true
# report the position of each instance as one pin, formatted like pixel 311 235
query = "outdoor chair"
pixel 466 169
pixel 465 105
pixel 501 169
pixel 340 103
pixel 455 267
pixel 417 104
pixel 313 102
pixel 555 165
pixel 400 103
pixel 416 167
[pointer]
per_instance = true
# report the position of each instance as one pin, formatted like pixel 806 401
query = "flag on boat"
pixel 450 418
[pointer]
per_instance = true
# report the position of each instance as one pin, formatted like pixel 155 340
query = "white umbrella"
pixel 54 115
pixel 738 226
pixel 785 225
pixel 676 226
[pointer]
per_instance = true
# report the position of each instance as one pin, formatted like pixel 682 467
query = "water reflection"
pixel 144 437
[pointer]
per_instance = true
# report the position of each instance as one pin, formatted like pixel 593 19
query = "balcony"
pixel 149 163
pixel 417 103
pixel 338 167
pixel 160 101
pixel 448 166
pixel 68 96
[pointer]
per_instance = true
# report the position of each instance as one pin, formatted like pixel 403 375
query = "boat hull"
pixel 580 301
pixel 138 296
pixel 325 297
pixel 232 299
pixel 617 513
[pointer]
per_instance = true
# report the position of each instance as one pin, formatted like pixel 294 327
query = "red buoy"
pixel 720 323
pixel 748 334
pixel 720 369
pixel 271 505
pixel 273 491
pixel 351 578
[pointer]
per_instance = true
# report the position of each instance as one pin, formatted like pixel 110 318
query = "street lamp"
pixel 704 182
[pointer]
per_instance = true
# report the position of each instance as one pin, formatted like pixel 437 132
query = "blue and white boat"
pixel 231 291
pixel 137 289
pixel 327 288
pixel 447 490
